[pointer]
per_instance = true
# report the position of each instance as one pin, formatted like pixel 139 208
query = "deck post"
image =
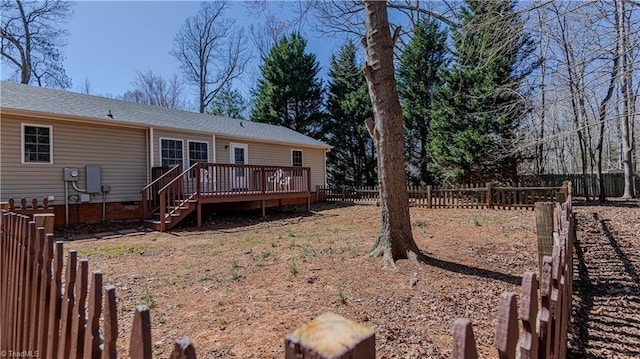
pixel 309 203
pixel 199 213
pixel 489 196
pixel 429 189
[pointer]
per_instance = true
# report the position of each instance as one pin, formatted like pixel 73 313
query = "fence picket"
pixel 528 314
pixel 45 291
pixel 507 326
pixel 92 333
pixel 464 343
pixel 140 344
pixel 79 315
pixel 183 349
pixel 67 304
pixel 56 300
pixel 544 342
pixel 110 323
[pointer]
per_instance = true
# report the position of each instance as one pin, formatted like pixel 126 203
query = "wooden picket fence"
pixel 44 313
pixel 467 196
pixel 545 322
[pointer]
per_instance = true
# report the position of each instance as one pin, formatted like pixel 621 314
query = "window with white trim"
pixel 198 152
pixel 170 152
pixel 296 158
pixel 36 144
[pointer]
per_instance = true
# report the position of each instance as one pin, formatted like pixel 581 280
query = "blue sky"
pixel 110 40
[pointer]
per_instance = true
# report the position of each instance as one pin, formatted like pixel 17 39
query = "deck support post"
pixel 309 203
pixel 263 207
pixel 199 213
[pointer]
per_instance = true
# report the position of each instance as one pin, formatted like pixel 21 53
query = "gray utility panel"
pixel 94 182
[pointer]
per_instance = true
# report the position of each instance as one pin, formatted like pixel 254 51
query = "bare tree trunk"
pixel 628 104
pixel 395 240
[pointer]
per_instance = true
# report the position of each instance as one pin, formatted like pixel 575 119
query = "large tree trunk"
pixel 395 240
pixel 628 105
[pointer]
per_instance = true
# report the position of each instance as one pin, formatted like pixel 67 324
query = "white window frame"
pixel 301 157
pixel 189 149
pixel 171 139
pixel 22 153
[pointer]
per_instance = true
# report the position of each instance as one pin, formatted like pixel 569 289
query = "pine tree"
pixel 289 93
pixel 229 102
pixel 352 161
pixel 476 114
pixel 421 60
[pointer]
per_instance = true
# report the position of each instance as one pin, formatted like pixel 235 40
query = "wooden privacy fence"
pixel 45 313
pixel 469 196
pixel 613 183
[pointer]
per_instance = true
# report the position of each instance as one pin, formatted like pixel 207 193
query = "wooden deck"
pixel 176 193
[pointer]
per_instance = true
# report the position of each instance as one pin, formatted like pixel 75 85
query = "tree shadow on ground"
pixel 471 271
pixel 606 295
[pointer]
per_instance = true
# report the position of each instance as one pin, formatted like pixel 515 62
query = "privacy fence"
pixel 49 309
pixel 469 196
pixel 582 184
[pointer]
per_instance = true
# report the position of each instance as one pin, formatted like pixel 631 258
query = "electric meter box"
pixel 71 174
pixel 94 183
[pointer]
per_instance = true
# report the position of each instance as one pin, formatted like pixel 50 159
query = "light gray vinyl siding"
pixel 272 154
pixel 184 137
pixel 120 152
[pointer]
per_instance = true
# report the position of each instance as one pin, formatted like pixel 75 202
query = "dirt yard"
pixel 238 285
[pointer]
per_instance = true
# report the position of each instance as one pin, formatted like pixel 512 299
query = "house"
pixel 100 158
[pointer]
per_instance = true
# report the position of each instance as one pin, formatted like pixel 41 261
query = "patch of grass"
pixel 293 268
pixel 252 240
pixel 147 299
pixel 476 221
pixel 291 234
pixel 202 278
pixel 161 320
pixel 234 264
pixel 352 249
pixel 157 352
pixel 341 297
pixel 235 276
pixel 265 254
pixel 114 251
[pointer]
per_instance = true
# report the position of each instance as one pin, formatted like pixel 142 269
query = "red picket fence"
pixel 41 318
pixel 544 334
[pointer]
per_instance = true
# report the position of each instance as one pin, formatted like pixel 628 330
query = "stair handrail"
pixel 178 199
pixel 146 210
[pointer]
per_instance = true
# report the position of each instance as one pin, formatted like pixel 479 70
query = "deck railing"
pixel 150 198
pixel 219 182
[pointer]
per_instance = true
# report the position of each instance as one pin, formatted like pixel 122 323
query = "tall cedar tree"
pixel 418 75
pixel 476 114
pixel 352 161
pixel 289 93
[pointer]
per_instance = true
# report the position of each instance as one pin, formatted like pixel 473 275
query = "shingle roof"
pixel 95 109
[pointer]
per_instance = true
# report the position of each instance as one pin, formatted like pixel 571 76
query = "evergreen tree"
pixel 421 60
pixel 229 103
pixel 289 93
pixel 476 114
pixel 352 161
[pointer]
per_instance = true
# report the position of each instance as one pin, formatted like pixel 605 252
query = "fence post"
pixel 544 231
pixel 429 187
pixel 489 195
pixel 183 349
pixel 330 336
